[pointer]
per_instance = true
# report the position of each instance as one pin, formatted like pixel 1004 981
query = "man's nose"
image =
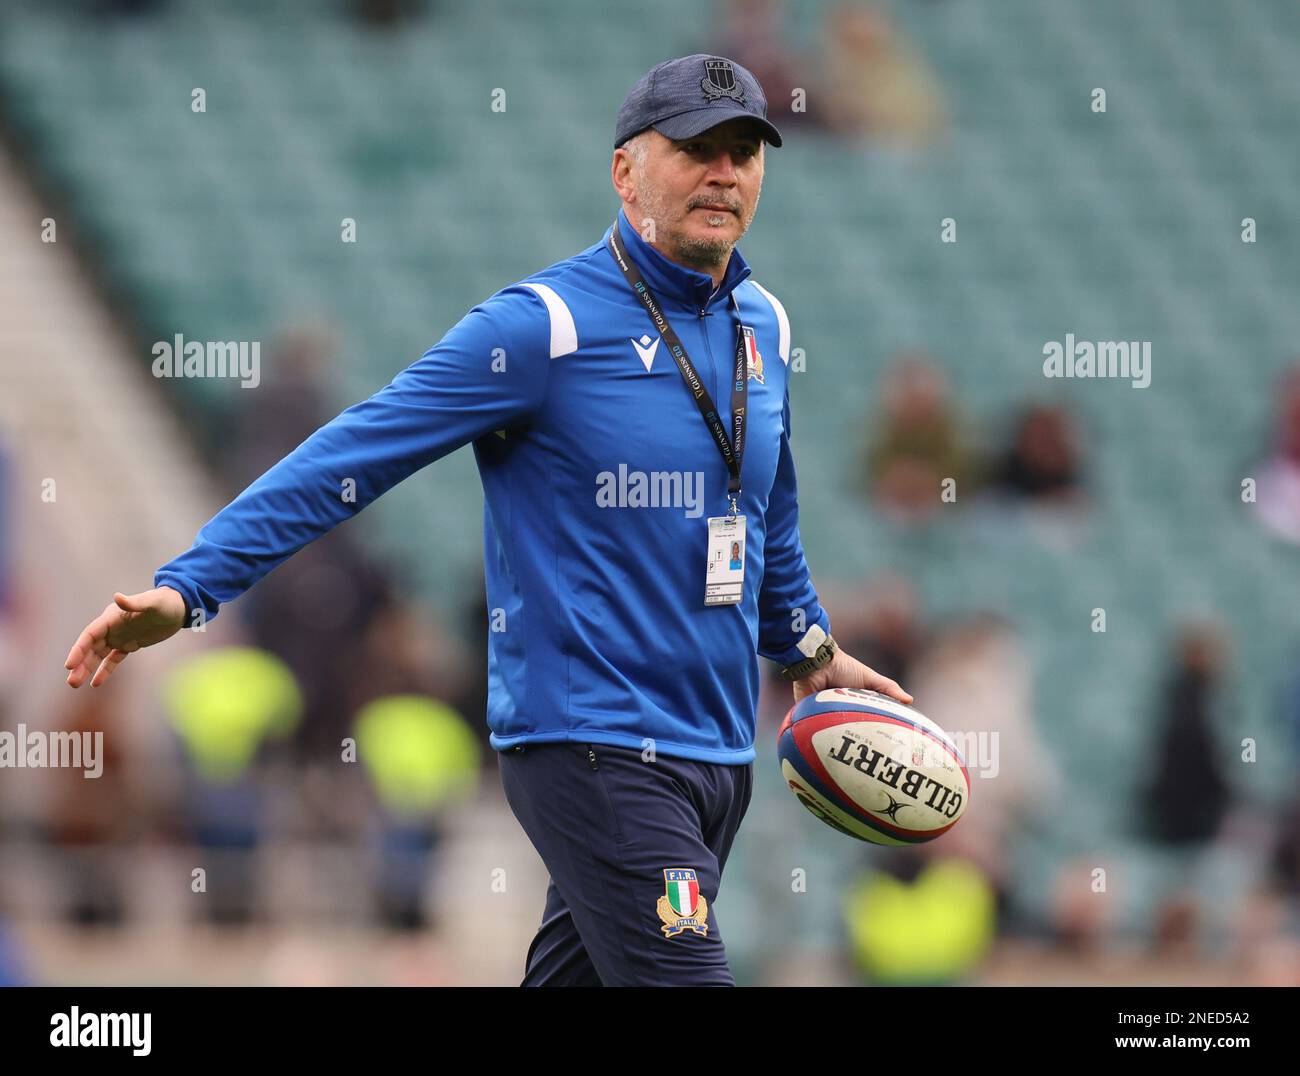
pixel 722 168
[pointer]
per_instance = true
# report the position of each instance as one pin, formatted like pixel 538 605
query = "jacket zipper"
pixel 708 347
pixel 591 757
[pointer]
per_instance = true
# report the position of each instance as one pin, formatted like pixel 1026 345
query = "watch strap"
pixel 819 660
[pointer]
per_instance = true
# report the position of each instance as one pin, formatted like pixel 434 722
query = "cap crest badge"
pixel 720 81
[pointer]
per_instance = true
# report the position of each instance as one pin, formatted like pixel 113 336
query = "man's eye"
pixel 697 147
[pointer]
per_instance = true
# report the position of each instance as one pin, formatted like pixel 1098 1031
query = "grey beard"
pixel 708 253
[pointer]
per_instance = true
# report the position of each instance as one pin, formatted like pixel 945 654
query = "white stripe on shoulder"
pixel 564 334
pixel 783 322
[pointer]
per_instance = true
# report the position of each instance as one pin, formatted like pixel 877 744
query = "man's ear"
pixel 621 171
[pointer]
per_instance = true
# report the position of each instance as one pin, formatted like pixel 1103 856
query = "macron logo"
pixel 646 350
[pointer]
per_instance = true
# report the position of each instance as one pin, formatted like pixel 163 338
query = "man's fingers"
pixel 128 622
pixel 86 643
pixel 886 686
pixel 91 646
pixel 79 648
pixel 83 667
pixel 106 667
pixel 890 687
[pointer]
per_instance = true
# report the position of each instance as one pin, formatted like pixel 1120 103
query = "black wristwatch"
pixel 819 660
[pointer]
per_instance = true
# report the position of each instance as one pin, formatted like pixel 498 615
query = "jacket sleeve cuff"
pixel 188 592
pixel 805 646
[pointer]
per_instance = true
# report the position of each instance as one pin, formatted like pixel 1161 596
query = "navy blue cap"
pixel 680 98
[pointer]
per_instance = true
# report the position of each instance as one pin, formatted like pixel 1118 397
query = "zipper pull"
pixel 591 757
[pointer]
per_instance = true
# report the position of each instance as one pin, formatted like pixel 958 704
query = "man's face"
pixel 701 192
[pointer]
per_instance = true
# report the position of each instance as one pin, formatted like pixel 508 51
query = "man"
pixel 622 685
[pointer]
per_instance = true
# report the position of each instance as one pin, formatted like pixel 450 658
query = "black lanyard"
pixel 732 453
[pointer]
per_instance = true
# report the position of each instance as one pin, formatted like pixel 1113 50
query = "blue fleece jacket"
pixel 599 475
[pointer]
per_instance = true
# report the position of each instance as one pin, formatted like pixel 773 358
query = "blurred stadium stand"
pixel 225 225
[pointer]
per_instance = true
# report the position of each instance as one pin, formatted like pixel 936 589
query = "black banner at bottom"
pixel 231 1024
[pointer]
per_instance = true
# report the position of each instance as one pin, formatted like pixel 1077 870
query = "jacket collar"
pixel 667 278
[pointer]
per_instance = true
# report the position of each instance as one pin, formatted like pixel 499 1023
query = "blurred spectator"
pixel 879 624
pixel 1189 794
pixel 420 754
pixel 1285 866
pixel 755 34
pixel 422 759
pixel 129 8
pixel 310 612
pixel 402 652
pixel 388 14
pixel 918 443
pixel 1286 855
pixel 1278 476
pixel 1079 912
pixel 226 704
pixel 1042 464
pixel 405 651
pixel 289 405
pixel 312 609
pixel 89 818
pixel 976 682
pixel 877 85
pixel 930 923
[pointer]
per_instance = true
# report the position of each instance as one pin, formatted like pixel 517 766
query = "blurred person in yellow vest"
pixel 930 930
pixel 225 705
pixel 422 758
pixel 978 678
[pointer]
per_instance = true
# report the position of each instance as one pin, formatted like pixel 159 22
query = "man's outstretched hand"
pixel 127 624
pixel 844 671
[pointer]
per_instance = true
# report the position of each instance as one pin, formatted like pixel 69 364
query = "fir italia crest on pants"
pixel 683 907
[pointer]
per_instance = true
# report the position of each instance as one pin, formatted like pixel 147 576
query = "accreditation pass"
pixel 724 582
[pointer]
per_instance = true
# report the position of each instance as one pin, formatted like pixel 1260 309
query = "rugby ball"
pixel 873 768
